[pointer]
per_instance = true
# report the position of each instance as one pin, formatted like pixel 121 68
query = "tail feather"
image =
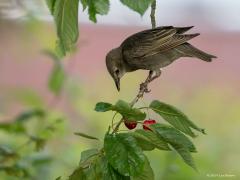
pixel 190 51
pixel 181 30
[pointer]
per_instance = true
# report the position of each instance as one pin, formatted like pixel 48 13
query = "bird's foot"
pixel 144 87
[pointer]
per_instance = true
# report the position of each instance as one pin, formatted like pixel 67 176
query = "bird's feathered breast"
pixel 153 41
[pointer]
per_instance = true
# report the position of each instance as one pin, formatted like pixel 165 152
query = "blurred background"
pixel 207 92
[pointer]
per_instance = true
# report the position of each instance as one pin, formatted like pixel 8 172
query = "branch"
pixel 144 86
pixel 152 15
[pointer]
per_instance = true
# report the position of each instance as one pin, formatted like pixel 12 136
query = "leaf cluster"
pixel 65 13
pixel 20 158
pixel 122 155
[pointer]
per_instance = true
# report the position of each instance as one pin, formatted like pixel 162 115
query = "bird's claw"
pixel 144 87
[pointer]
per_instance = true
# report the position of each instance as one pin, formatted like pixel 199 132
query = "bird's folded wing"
pixel 153 41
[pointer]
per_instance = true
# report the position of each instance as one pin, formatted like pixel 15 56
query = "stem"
pixel 142 89
pixel 152 15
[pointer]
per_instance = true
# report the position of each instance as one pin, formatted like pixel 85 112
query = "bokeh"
pixel 207 92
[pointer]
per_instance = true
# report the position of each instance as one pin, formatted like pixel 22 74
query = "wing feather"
pixel 153 41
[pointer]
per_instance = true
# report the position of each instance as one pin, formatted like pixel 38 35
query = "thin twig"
pixel 152 15
pixel 144 86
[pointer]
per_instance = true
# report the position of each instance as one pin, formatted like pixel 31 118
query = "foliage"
pixel 21 159
pixel 123 153
pixel 65 13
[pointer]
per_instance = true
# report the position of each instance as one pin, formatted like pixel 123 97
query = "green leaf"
pixel 94 171
pixel 123 153
pixel 139 6
pixel 51 4
pixel 122 108
pixel 84 4
pixel 13 127
pixel 27 115
pixel 6 152
pixel 109 173
pixel 56 79
pixel 148 137
pixel 103 107
pixel 146 174
pixel 174 117
pixel 85 135
pixel 177 140
pixel 186 155
pixel 87 154
pixel 39 143
pixel 16 170
pixel 66 19
pixel 96 7
pixel 128 112
pixel 77 174
pixel 173 136
pixel 143 142
pixel 102 6
pixel 17 125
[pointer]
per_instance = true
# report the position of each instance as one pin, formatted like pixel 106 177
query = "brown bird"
pixel 152 49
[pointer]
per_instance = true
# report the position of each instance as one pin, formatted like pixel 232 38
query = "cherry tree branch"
pixel 152 15
pixel 144 86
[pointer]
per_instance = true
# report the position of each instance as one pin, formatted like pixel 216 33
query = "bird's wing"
pixel 153 41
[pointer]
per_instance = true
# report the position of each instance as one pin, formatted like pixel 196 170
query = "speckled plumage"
pixel 151 50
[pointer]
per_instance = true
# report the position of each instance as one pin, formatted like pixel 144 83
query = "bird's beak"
pixel 117 82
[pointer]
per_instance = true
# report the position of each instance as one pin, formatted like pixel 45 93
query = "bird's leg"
pixel 143 86
pixel 150 78
pixel 158 74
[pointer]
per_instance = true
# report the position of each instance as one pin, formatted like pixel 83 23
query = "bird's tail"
pixel 190 51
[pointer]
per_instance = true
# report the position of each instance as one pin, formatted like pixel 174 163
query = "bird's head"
pixel 115 66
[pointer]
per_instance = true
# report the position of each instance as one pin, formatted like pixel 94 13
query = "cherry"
pixel 130 124
pixel 148 122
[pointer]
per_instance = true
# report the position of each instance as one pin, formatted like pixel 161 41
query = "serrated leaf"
pixel 173 136
pixel 103 107
pixel 123 108
pixel 96 7
pixel 151 138
pixel 66 19
pixel 175 117
pixel 123 153
pixel 56 79
pixel 128 112
pixel 186 156
pixel 146 174
pixel 177 140
pixel 143 142
pixel 85 135
pixel 139 6
pixel 77 174
pixel 109 173
pixel 94 171
pixel 84 4
pixel 87 154
pixel 102 6
pixel 51 4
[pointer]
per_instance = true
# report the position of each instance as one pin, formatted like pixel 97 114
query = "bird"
pixel 152 49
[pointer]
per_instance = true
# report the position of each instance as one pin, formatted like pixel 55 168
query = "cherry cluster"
pixel 133 124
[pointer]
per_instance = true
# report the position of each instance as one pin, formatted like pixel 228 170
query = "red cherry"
pixel 146 124
pixel 130 124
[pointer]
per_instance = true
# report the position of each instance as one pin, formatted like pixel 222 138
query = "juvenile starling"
pixel 151 50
